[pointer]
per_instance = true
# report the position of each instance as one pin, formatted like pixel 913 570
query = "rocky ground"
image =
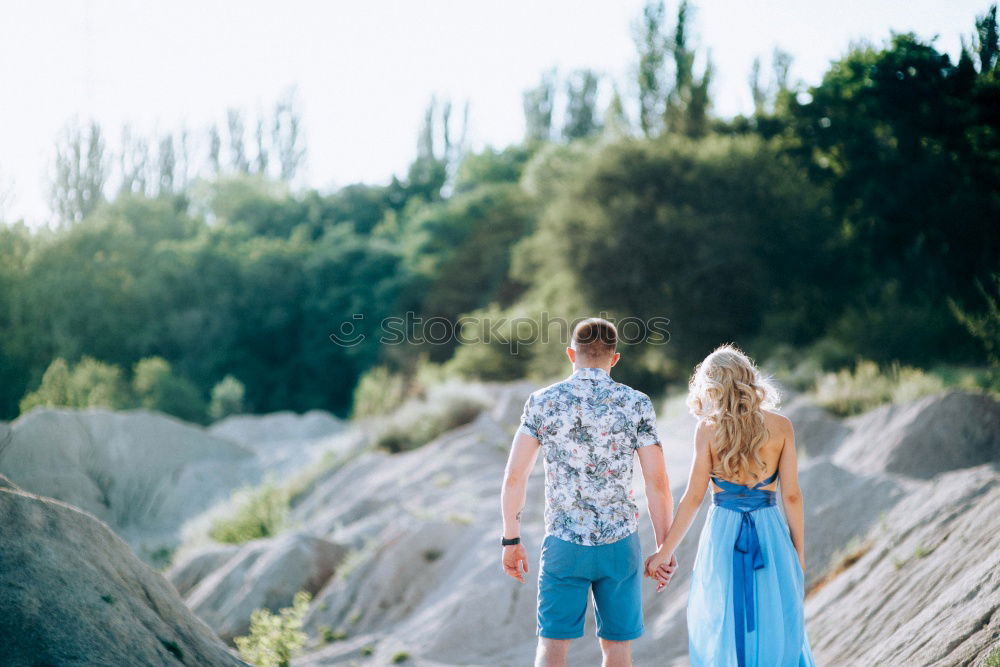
pixel 400 553
pixel 73 593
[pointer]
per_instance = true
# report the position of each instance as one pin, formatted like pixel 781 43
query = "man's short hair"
pixel 595 338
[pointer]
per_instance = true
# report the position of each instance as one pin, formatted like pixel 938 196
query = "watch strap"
pixel 505 541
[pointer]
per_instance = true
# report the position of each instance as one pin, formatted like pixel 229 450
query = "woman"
pixel 747 588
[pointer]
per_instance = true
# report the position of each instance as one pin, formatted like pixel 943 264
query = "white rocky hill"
pixel 423 578
pixel 73 593
pixel 400 551
pixel 144 473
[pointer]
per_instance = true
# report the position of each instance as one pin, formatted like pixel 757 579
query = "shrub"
pixel 401 656
pixel 328 634
pixel 275 638
pixel 227 398
pixel 89 383
pixel 257 512
pixel 157 388
pixel 418 422
pixel 378 392
pixel 849 392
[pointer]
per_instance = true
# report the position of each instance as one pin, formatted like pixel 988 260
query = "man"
pixel 590 429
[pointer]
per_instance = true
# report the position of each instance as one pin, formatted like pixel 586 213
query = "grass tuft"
pixel 866 386
pixel 257 512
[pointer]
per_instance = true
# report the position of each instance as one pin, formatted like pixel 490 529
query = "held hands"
pixel 514 558
pixel 661 566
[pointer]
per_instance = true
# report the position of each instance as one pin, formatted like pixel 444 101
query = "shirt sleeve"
pixel 531 418
pixel 646 431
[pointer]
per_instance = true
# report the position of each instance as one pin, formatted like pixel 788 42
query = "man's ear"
pixel 571 353
pixel 614 359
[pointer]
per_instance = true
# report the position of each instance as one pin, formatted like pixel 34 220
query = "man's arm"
pixel 521 460
pixel 659 502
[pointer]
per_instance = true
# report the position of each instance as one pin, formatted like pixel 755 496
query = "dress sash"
pixel 747 554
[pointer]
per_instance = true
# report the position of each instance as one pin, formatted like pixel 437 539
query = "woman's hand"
pixel 661 566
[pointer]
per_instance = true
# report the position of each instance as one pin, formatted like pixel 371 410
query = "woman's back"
pixel 778 429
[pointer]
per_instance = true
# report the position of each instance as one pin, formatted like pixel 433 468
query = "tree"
pixel 89 383
pixel 758 91
pixel 645 232
pixel 615 119
pixel 167 165
pixel 687 100
pixel 133 163
pixel 537 103
pixel 432 168
pixel 156 387
pixel 235 127
pixel 227 398
pixel 907 142
pixel 80 172
pixel 581 102
pixel 677 103
pixel 987 40
pixel 214 149
pixel 286 136
pixel 650 38
pixel 261 158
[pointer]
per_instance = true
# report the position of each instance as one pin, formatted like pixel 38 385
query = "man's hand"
pixel 514 558
pixel 660 568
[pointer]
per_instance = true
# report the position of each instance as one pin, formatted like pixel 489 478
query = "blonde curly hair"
pixel 730 393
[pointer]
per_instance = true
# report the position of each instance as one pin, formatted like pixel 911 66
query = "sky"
pixel 364 71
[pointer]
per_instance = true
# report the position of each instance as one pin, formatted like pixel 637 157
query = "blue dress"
pixel 747 588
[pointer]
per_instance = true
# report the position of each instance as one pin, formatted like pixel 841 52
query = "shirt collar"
pixel 598 374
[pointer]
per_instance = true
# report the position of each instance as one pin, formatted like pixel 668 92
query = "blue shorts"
pixel 568 571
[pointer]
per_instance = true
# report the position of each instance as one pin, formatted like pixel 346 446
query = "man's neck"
pixel 579 367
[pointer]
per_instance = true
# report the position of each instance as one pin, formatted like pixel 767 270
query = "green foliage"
pixel 491 166
pixel 645 232
pixel 275 638
pixel 582 119
pixel 984 327
pixel 849 392
pixel 537 104
pixel 460 253
pixel 227 398
pixel 255 512
pixel 157 388
pixel 400 657
pixel 993 659
pixel 379 392
pixel 328 634
pixel 490 352
pixel 89 383
pixel 850 220
pixel 906 142
pixel 418 422
pixel 367 650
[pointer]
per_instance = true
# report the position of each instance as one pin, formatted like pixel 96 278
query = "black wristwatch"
pixel 507 542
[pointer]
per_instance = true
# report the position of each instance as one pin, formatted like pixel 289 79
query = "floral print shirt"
pixel 589 427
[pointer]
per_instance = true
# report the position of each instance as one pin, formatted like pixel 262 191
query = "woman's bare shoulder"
pixel 779 421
